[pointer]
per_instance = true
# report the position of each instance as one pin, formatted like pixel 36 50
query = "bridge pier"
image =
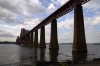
pixel 31 39
pixel 79 42
pixel 42 38
pixel 25 40
pixel 54 37
pixel 29 42
pixel 36 39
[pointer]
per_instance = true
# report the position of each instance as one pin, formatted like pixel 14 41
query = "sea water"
pixel 12 54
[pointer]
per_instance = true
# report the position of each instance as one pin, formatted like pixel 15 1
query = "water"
pixel 12 54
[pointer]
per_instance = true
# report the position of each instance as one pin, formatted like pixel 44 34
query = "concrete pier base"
pixel 42 38
pixel 36 39
pixel 54 37
pixel 78 56
pixel 79 42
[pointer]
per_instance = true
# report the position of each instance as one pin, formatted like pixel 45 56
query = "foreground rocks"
pixel 94 62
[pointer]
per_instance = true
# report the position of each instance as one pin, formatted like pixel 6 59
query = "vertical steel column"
pixel 54 37
pixel 79 42
pixel 36 39
pixel 42 37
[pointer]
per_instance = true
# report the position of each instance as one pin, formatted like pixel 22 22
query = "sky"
pixel 17 14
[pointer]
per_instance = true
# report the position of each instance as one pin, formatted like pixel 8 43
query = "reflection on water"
pixel 42 54
pixel 35 53
pixel 78 56
pixel 53 54
pixel 11 54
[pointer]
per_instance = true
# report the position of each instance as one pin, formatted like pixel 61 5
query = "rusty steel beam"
pixel 64 9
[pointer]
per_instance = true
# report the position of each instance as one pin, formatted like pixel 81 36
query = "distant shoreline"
pixel 7 42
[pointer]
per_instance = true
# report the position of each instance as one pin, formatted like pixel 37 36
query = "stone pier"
pixel 42 38
pixel 54 37
pixel 25 40
pixel 31 39
pixel 79 42
pixel 36 39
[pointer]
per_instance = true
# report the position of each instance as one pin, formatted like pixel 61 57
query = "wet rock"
pixel 45 63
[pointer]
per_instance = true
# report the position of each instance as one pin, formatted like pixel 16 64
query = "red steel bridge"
pixel 79 42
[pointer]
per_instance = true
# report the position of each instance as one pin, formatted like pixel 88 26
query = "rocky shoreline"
pixel 94 62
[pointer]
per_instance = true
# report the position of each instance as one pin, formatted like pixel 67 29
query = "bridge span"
pixel 79 41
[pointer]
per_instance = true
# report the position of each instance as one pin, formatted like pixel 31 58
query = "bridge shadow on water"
pixel 33 55
pixel 49 55
pixel 54 56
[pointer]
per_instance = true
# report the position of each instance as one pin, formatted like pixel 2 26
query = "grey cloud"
pixel 93 5
pixel 4 33
pixel 8 17
pixel 35 9
pixel 9 10
pixel 9 6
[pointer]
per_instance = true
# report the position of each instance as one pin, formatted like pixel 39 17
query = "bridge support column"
pixel 79 42
pixel 25 40
pixel 54 37
pixel 28 40
pixel 42 38
pixel 36 39
pixel 31 39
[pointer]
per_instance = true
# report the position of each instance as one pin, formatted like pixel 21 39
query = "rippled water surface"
pixel 16 54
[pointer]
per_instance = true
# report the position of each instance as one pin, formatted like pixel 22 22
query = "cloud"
pixel 8 5
pixel 4 33
pixel 66 24
pixel 92 36
pixel 8 39
pixel 18 11
pixel 15 29
pixel 30 24
pixel 92 21
pixel 51 8
pixel 57 2
pixel 4 16
pixel 66 36
pixel 34 7
pixel 93 5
